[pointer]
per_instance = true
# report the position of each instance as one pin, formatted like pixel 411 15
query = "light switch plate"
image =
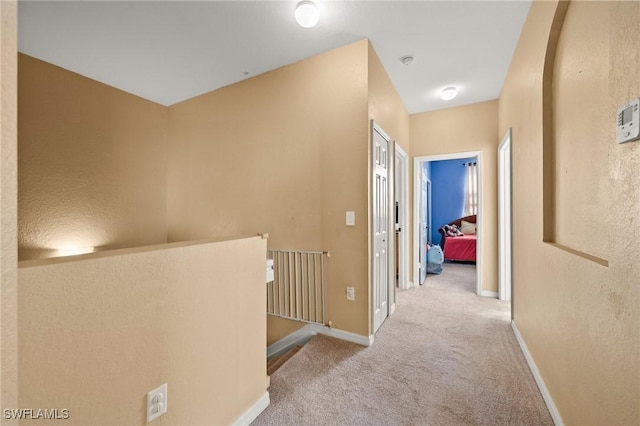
pixel 351 218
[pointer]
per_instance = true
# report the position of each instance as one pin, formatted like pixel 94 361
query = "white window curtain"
pixel 471 189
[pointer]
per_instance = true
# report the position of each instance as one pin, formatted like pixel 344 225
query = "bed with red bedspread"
pixel 460 248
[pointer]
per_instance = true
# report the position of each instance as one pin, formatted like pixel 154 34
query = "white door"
pixel 380 226
pixel 424 226
pixel 401 194
pixel 504 217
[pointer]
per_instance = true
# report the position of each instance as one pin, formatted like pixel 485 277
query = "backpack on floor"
pixel 435 259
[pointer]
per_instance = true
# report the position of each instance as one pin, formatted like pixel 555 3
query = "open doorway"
pixel 420 169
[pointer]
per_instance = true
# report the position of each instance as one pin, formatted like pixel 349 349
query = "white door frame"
pixel 417 166
pixel 424 200
pixel 429 211
pixel 402 176
pixel 505 252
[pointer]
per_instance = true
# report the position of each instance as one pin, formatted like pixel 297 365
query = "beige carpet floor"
pixel 445 357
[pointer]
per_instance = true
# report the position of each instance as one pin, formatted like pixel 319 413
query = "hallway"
pixel 446 357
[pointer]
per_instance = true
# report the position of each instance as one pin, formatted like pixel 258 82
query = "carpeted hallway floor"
pixel 445 357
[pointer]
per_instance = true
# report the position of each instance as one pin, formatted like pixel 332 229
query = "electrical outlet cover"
pixel 156 403
pixel 351 293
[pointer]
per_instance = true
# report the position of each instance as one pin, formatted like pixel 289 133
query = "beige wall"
pixel 385 105
pixel 579 318
pixel 8 208
pixel 285 153
pixel 277 328
pixel 387 109
pixel 461 129
pixel 99 331
pixel 581 180
pixel 92 164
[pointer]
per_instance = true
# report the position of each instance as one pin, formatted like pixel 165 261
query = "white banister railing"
pixel 297 290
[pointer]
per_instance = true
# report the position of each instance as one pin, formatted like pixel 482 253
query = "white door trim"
pixel 429 211
pixel 424 200
pixel 505 274
pixel 403 213
pixel 417 166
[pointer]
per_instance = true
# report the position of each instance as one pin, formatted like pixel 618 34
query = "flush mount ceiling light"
pixel 448 93
pixel 307 14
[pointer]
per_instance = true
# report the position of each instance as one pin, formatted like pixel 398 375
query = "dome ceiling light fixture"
pixel 448 93
pixel 307 14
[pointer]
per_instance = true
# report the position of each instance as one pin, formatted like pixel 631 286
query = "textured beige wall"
pixel 581 173
pixel 580 319
pixel 385 105
pixel 277 328
pixel 9 208
pixel 387 109
pixel 99 331
pixel 468 128
pixel 92 163
pixel 284 152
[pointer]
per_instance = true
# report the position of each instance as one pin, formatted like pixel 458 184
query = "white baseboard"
pixel 291 340
pixel 346 335
pixel 304 333
pixel 485 293
pixel 254 411
pixel 392 309
pixel 553 410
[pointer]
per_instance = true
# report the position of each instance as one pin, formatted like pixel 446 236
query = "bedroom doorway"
pixel 420 170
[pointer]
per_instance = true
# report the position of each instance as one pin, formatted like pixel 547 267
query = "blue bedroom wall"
pixel 447 197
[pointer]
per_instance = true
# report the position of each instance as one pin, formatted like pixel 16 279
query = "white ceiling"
pixel 169 51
